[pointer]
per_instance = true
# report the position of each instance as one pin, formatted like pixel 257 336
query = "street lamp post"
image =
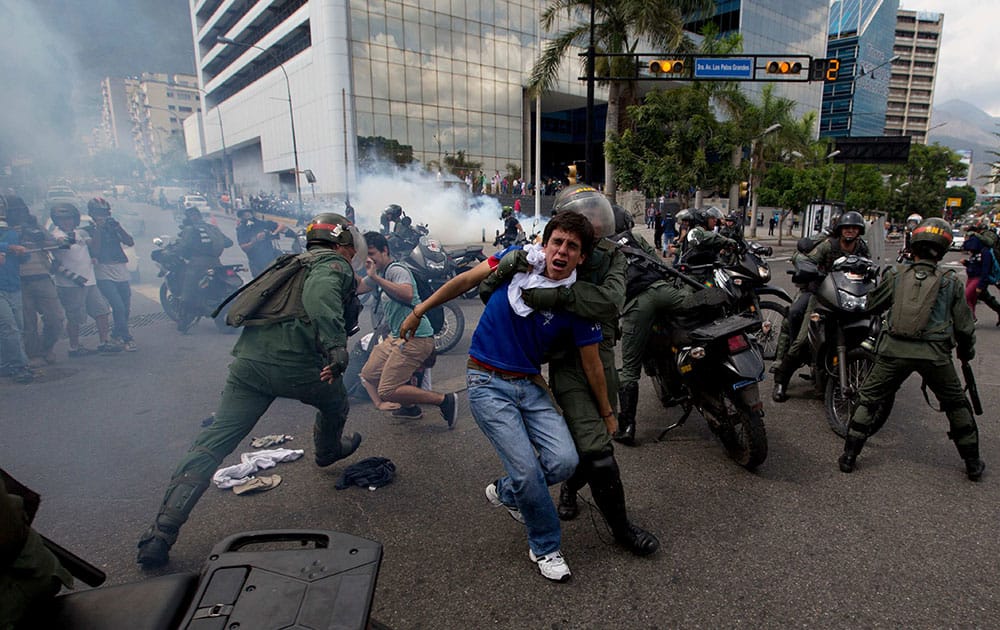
pixel 291 115
pixel 751 193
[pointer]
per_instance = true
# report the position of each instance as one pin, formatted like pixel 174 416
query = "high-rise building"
pixel 777 27
pixel 861 36
pixel 438 78
pixel 911 84
pixel 115 129
pixel 158 104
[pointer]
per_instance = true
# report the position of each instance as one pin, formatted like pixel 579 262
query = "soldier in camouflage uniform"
pixel 298 358
pixel 928 318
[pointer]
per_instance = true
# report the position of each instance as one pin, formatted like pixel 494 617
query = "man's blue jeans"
pixel 119 297
pixel 12 357
pixel 519 418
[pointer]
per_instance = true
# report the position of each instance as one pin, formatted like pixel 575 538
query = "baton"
pixel 970 386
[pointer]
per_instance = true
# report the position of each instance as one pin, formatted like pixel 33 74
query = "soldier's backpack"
pixel 276 296
pixel 424 290
pixel 914 296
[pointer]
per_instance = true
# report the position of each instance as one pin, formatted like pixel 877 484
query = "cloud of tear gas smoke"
pixel 452 214
pixel 37 118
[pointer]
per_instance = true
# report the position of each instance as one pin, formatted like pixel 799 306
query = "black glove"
pixel 546 299
pixel 337 359
pixel 966 354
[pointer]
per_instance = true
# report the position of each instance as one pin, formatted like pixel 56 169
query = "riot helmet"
pixel 244 213
pixel 330 228
pixel 591 203
pixel 623 219
pixel 99 207
pixel 192 213
pixel 684 216
pixel 850 219
pixel 701 216
pixel 392 212
pixel 913 220
pixel 931 239
pixel 64 210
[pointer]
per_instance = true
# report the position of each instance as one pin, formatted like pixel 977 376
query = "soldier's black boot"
pixel 568 508
pixel 852 448
pixel 181 496
pixel 336 452
pixel 974 467
pixel 628 399
pixel 609 495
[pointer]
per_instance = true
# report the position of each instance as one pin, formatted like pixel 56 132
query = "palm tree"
pixel 619 27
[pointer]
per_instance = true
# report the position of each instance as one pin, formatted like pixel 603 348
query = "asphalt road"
pixel 905 541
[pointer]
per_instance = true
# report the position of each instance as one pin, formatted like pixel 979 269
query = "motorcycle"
pixel 706 360
pixel 216 285
pixel 745 276
pixel 258 579
pixel 839 356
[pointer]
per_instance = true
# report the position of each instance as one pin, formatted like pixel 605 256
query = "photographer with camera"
pixel 256 238
pixel 108 236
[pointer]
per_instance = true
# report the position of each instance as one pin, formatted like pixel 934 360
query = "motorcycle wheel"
pixel 740 426
pixel 169 302
pixel 452 331
pixel 774 313
pixel 840 407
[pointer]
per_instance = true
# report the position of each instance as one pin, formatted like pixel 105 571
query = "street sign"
pixel 734 68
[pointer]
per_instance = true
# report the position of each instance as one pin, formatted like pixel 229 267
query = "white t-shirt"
pixel 76 259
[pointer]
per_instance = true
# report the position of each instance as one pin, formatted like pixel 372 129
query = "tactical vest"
pixel 208 241
pixel 921 307
pixel 643 270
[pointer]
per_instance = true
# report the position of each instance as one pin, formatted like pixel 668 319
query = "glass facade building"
pixel 861 36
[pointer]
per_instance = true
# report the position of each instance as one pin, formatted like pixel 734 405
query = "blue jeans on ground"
pixel 12 357
pixel 518 417
pixel 119 297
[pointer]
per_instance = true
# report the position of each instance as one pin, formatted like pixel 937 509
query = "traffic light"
pixel 824 69
pixel 784 67
pixel 666 66
pixel 744 191
pixel 571 176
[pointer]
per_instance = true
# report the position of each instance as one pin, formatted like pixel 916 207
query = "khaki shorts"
pixel 78 302
pixel 393 362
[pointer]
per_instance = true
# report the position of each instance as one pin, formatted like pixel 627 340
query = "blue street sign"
pixel 730 68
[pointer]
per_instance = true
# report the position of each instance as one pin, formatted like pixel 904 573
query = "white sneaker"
pixel 552 566
pixel 494 498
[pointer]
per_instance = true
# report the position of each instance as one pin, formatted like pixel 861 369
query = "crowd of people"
pixel 52 281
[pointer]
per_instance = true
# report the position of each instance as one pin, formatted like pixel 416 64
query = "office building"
pixel 777 27
pixel 158 104
pixel 911 84
pixel 115 130
pixel 861 36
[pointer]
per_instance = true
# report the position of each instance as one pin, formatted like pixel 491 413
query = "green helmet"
pixel 591 203
pixel 330 228
pixel 931 239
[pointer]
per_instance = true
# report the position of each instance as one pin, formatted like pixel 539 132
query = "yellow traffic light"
pixel 784 67
pixel 744 190
pixel 572 174
pixel 668 66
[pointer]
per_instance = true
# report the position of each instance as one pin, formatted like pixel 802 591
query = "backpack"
pixel 424 290
pixel 915 293
pixel 990 239
pixel 276 296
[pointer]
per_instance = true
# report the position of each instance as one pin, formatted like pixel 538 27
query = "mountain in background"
pixel 965 126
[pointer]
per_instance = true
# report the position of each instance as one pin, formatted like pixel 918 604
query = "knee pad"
pixel 958 433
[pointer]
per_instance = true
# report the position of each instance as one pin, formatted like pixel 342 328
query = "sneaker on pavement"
pixel 449 409
pixel 24 375
pixel 410 412
pixel 109 348
pixel 552 566
pixel 82 351
pixel 129 346
pixel 494 498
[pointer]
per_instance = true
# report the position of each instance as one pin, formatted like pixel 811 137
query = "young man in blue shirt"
pixel 508 396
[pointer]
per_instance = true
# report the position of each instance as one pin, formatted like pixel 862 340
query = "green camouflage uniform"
pixel 281 360
pixel 897 358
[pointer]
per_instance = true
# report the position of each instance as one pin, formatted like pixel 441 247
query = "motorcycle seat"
pixel 155 604
pixel 465 251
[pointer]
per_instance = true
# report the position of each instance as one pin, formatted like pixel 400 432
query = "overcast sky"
pixel 969 65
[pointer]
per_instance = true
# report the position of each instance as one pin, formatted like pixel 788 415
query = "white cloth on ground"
pixel 533 280
pixel 250 463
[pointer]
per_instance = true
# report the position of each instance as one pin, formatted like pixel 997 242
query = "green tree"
pixel 619 27
pixel 376 152
pixel 458 165
pixel 673 137
pixel 921 184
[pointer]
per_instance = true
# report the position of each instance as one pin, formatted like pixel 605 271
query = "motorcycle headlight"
pixel 764 272
pixel 853 302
